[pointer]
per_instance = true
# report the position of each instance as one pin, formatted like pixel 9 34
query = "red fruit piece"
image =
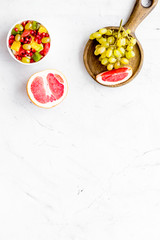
pixel 46 48
pixel 115 76
pixel 38 90
pixel 42 53
pixel 59 78
pixel 16 29
pixel 21 51
pixel 55 86
pixel 25 33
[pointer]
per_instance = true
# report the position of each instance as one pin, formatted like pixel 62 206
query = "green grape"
pixel 103 31
pixel 45 40
pixel 124 34
pixel 112 60
pixel 110 67
pixel 111 40
pixel 122 50
pixel 129 48
pixel 121 42
pixel 26 60
pixel 128 31
pixel 133 41
pixel 97 35
pixel 28 26
pixel 26 46
pixel 109 32
pixel 101 50
pixel 124 61
pixel 112 47
pixel 109 52
pixel 98 46
pixel 117 53
pixel 102 40
pixel 100 58
pixel 91 37
pixel 17 37
pixel 20 27
pixel 103 55
pixel 105 44
pixel 130 54
pixel 104 61
pixel 96 52
pixel 117 65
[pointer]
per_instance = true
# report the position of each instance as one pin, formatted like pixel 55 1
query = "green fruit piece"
pixel 14 32
pixel 37 56
pixel 34 25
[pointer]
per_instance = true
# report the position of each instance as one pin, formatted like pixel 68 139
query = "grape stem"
pixel 120 27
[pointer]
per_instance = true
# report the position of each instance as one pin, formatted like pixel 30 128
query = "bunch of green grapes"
pixel 115 47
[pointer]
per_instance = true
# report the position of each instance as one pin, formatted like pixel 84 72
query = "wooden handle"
pixel 138 14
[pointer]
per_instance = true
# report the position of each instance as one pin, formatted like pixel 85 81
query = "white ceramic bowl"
pixel 10 51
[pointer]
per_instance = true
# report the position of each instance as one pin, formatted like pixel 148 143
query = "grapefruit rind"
pixel 44 74
pixel 111 83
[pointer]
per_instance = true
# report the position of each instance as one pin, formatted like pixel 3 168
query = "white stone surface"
pixel 90 167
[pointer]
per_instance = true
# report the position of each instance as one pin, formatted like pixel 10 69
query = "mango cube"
pixel 42 29
pixel 16 46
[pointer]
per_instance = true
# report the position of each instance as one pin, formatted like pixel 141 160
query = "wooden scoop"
pixel 92 63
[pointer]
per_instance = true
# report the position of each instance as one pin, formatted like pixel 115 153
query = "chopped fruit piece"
pixel 25 33
pixel 34 25
pixel 46 48
pixel 14 32
pixel 42 29
pixel 37 56
pixel 115 76
pixel 36 46
pixel 16 46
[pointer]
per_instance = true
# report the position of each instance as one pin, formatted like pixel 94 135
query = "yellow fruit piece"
pixel 16 46
pixel 42 29
pixel 25 60
pixel 36 46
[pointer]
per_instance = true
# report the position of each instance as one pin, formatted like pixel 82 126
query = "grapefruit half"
pixel 115 76
pixel 47 88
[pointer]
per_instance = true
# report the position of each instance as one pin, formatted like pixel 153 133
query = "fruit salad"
pixel 29 41
pixel 114 48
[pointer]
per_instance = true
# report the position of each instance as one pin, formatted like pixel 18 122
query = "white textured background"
pixel 89 168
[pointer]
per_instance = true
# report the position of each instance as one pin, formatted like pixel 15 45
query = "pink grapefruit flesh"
pixel 47 88
pixel 115 76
